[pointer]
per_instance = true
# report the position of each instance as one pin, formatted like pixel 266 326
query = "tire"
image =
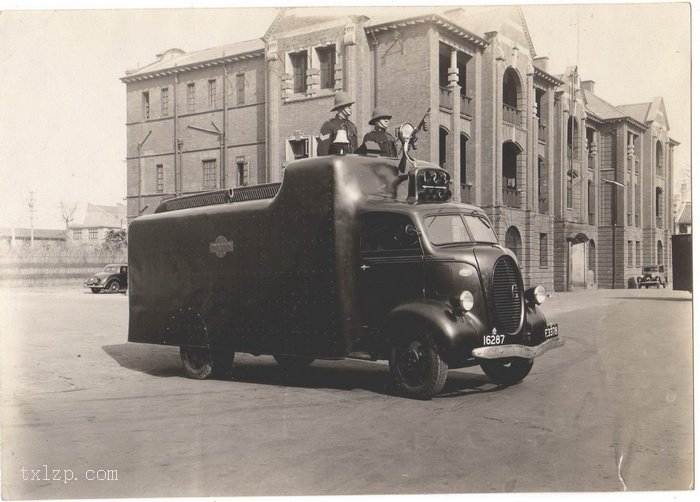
pixel 201 363
pixel 416 367
pixel 508 371
pixel 113 287
pixel 95 290
pixel 292 363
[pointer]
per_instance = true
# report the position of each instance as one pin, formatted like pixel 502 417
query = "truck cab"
pixel 349 257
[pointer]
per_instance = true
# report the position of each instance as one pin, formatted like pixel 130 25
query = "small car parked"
pixel 652 275
pixel 112 278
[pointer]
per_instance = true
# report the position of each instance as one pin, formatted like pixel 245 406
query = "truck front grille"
pixel 507 296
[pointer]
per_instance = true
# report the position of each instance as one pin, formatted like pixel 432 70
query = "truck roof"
pixel 374 180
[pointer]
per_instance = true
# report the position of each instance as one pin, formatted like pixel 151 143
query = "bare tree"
pixel 68 212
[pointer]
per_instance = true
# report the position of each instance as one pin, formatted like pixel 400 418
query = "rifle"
pixel 410 143
pixel 422 126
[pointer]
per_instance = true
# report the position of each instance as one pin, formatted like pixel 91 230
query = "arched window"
pixel 513 241
pixel 509 169
pixel 443 147
pixel 659 155
pixel 572 138
pixel 463 140
pixel 542 185
pixel 659 205
pixel 511 94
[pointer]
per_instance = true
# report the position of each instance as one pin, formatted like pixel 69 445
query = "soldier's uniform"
pixel 330 128
pixel 385 141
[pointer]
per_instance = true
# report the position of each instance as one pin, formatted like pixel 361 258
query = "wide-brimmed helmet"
pixel 342 99
pixel 379 113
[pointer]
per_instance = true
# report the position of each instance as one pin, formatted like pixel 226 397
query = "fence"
pixel 37 267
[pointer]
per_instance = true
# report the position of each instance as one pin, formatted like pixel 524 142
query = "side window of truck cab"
pixel 388 233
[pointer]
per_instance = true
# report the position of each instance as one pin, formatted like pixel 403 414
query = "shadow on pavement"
pixel 343 375
pixel 150 359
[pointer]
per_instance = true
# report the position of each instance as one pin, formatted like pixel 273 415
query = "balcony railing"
pixel 511 114
pixel 465 106
pixel 542 133
pixel 445 98
pixel 511 197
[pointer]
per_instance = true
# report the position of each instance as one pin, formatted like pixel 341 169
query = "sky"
pixel 63 107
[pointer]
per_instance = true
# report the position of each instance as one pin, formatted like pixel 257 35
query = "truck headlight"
pixel 536 295
pixel 466 301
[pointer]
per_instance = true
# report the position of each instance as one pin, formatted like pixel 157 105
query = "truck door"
pixel 391 265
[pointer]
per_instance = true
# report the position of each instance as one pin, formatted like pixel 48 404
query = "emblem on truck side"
pixel 221 246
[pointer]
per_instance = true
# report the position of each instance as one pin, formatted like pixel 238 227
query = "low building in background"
pixel 92 223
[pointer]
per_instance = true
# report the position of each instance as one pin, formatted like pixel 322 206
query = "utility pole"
pixel 31 218
pixel 222 135
pixel 139 148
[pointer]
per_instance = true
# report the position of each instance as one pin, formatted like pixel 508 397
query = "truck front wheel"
pixel 416 366
pixel 508 371
pixel 201 363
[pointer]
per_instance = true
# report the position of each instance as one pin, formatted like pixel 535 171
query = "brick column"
pixel 453 153
pixel 272 103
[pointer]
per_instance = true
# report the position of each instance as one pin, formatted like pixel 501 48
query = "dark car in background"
pixel 652 275
pixel 113 278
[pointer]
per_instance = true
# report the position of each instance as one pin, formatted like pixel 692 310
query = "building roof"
pixel 96 216
pixel 639 111
pixel 507 20
pixel 606 111
pixel 648 112
pixel 291 19
pixel 686 217
pixel 39 234
pixel 174 60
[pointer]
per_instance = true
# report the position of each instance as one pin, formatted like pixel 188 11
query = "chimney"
pixel 541 63
pixel 588 86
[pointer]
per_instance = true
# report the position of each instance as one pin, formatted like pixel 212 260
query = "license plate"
pixel 494 339
pixel 551 331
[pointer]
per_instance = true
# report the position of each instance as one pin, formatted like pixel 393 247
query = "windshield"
pixel 459 228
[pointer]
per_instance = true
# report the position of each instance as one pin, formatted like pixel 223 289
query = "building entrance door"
pixel 578 261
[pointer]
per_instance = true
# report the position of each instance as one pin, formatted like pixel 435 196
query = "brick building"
pixel 578 188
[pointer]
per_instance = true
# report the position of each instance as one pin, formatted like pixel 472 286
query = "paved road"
pixel 611 410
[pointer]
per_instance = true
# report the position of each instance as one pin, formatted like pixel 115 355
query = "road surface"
pixel 86 414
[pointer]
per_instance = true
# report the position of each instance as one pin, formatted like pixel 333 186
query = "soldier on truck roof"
pixel 341 121
pixel 380 136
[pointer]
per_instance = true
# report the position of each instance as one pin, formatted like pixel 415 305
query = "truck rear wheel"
pixel 201 363
pixel 507 371
pixel 416 366
pixel 293 362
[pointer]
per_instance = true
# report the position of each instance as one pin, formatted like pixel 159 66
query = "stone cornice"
pixel 430 19
pixel 192 66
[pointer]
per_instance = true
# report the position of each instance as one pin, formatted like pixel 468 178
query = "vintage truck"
pixel 348 257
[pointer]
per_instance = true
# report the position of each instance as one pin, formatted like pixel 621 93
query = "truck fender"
pixel 450 330
pixel 186 327
pixel 535 321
